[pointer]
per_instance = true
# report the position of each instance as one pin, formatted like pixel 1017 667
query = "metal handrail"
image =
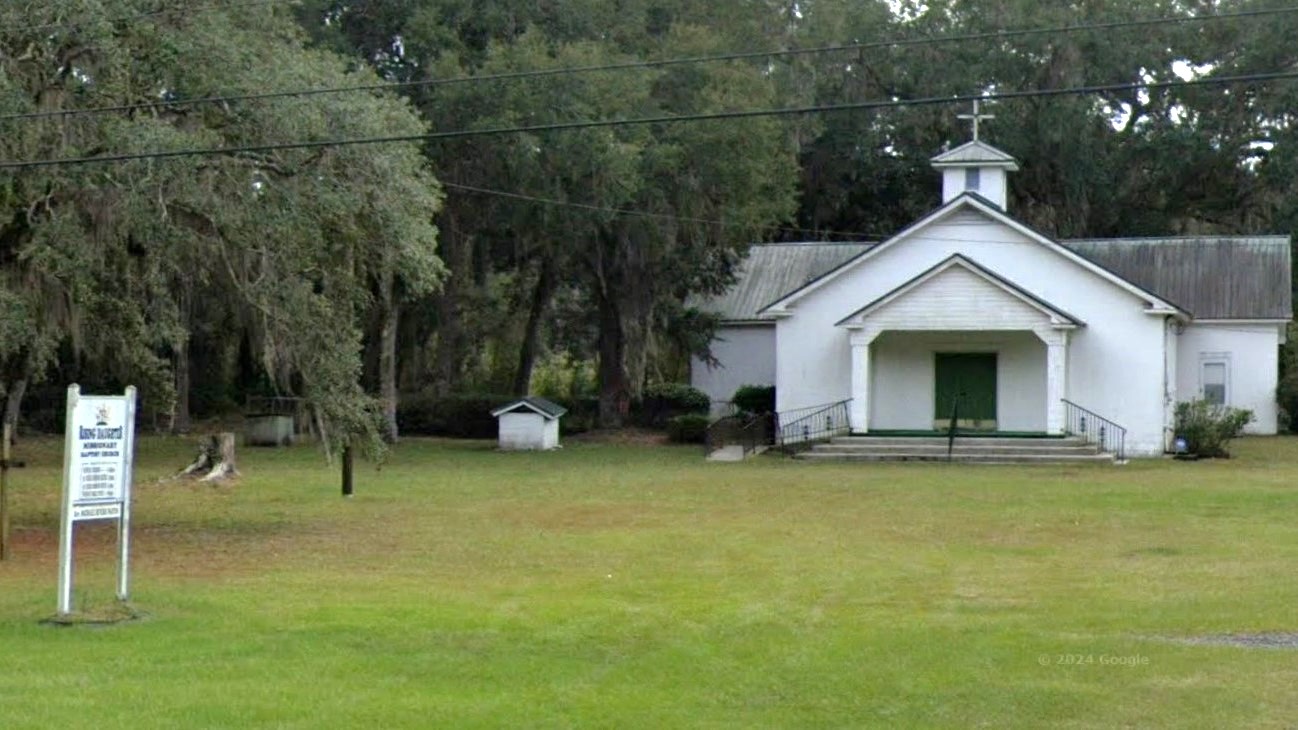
pixel 816 423
pixel 749 430
pixel 756 432
pixel 950 431
pixel 1095 429
pixel 717 435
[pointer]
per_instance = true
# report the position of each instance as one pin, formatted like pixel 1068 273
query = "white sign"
pixel 98 456
pixel 97 468
pixel 110 511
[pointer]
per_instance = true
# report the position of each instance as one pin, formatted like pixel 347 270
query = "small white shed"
pixel 529 423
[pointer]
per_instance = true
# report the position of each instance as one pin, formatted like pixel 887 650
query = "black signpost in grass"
pixel 347 470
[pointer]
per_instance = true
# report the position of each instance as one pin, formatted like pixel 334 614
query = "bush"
pixel 1208 428
pixel 754 398
pixel 664 401
pixel 1287 398
pixel 582 415
pixel 459 416
pixel 687 429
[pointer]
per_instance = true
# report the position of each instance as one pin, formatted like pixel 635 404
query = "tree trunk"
pixel 180 421
pixel 388 317
pixel 13 406
pixel 457 253
pixel 215 457
pixel 614 393
pixel 222 445
pixel 545 284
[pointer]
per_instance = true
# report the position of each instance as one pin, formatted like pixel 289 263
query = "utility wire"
pixel 597 123
pixel 146 16
pixel 855 237
pixel 630 65
pixel 638 213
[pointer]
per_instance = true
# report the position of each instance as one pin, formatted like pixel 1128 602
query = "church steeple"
pixel 975 167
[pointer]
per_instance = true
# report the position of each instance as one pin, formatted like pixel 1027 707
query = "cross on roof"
pixel 975 117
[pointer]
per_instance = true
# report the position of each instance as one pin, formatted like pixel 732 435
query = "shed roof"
pixel 775 269
pixel 546 408
pixel 1211 277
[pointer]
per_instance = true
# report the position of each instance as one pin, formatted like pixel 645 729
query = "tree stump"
pixel 215 460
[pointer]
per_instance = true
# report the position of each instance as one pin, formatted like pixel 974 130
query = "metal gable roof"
pixel 1211 277
pixel 549 409
pixel 772 270
pixel 973 201
pixel 975 153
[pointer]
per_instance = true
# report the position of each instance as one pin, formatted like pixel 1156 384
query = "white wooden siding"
pixel 524 430
pixel 1253 352
pixel 746 355
pixel 957 299
pixel 991 185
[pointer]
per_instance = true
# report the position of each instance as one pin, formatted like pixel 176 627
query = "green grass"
pixel 624 586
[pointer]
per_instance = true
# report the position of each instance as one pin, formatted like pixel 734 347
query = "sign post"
pixel 6 435
pixel 98 461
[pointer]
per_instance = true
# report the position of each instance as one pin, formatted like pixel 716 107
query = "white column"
pixel 1056 377
pixel 858 411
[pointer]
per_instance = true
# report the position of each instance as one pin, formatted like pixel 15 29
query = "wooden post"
pixel 347 470
pixel 4 490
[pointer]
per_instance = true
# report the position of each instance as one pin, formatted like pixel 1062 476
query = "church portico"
pixel 998 380
pixel 958 340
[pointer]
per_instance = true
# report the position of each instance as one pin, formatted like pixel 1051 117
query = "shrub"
pixel 754 398
pixel 1286 395
pixel 663 401
pixel 689 428
pixel 1208 428
pixel 1287 398
pixel 460 416
pixel 582 415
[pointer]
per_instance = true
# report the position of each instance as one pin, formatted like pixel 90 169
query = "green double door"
pixel 966 380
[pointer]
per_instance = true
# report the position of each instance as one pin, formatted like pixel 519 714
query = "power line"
pixel 632 65
pixel 598 123
pixel 146 16
pixel 629 211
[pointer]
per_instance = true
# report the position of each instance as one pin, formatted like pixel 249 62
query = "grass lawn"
pixel 635 586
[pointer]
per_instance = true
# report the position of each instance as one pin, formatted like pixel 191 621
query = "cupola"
pixel 975 167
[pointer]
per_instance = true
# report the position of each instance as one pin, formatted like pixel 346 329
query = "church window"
pixel 1215 380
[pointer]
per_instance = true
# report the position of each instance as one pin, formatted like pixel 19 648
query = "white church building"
pixel 969 312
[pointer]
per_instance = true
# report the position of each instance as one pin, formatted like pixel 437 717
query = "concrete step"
pixel 959 440
pixel 934 449
pixel 969 450
pixel 967 458
pixel 727 453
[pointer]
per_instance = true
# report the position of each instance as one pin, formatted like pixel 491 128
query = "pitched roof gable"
pixel 978 203
pixel 546 408
pixel 974 153
pixel 1058 316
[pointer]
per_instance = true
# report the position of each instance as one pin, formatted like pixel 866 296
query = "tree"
pixel 701 192
pixel 297 242
pixel 1140 162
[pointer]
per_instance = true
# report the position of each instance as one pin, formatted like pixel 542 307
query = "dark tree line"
pixel 1151 162
pixel 315 273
